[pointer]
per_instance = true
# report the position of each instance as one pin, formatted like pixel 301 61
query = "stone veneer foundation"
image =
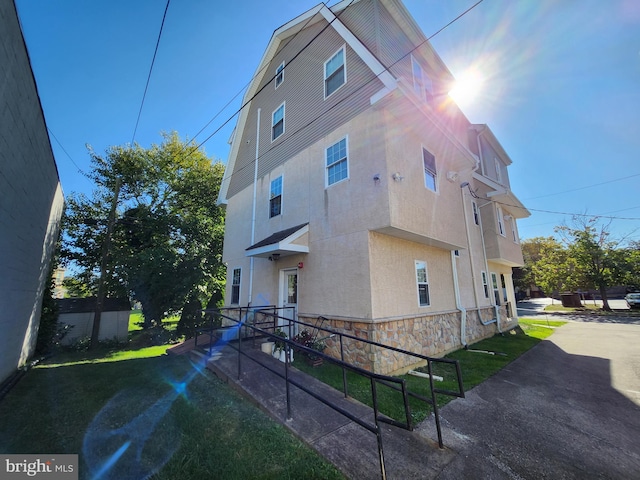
pixel 430 335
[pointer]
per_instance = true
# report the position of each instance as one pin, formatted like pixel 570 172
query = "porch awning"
pixel 285 242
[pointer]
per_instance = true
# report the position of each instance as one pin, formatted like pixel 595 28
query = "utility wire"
pixel 385 69
pixel 585 187
pixel 258 73
pixel 144 95
pixel 67 153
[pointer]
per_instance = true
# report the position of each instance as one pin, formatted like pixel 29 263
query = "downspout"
pixel 463 311
pixel 253 213
pixel 496 308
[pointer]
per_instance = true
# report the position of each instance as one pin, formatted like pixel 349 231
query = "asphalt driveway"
pixel 567 409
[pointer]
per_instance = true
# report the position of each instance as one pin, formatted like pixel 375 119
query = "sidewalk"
pixel 349 446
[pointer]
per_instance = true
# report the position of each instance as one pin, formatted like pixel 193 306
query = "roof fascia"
pixel 485 131
pixel 270 51
pixel 363 52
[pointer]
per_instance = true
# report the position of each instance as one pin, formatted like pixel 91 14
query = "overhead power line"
pixel 144 95
pixel 385 69
pixel 585 187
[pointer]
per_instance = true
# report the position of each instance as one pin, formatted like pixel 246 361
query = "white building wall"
pixel 31 200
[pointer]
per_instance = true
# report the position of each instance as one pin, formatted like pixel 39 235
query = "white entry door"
pixel 289 296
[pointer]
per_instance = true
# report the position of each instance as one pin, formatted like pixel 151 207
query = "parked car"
pixel 633 300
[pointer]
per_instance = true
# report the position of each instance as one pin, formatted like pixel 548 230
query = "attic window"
pixel 334 73
pixel 279 74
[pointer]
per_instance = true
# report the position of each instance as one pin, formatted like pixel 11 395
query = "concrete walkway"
pixel 569 408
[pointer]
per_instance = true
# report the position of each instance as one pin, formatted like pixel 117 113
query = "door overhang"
pixel 285 242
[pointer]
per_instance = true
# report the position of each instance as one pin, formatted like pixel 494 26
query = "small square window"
pixel 337 166
pixel 275 197
pixel 279 74
pixel 277 122
pixel 334 73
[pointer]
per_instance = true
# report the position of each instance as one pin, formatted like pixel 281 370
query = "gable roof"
pixel 280 243
pixel 316 14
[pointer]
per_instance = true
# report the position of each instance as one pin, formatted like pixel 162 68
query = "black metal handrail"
pixel 397 384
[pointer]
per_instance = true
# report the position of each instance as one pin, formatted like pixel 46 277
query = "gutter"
pixel 463 311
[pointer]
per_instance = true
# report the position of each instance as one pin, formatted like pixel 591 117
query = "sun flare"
pixel 467 88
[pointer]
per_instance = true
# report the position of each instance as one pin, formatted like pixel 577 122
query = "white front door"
pixel 289 296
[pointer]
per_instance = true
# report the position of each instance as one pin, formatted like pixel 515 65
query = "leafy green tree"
pixel 76 288
pixel 166 246
pixel 549 265
pixel 595 255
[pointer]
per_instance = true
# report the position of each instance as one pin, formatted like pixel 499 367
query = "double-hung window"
pixel 485 284
pixel 337 162
pixel 235 286
pixel 277 122
pixel 334 72
pixel 429 164
pixel 422 84
pixel 279 74
pixel 423 283
pixel 500 216
pixel 476 213
pixel 275 197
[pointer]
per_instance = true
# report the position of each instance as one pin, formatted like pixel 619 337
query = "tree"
pixel 166 245
pixel 549 265
pixel 595 255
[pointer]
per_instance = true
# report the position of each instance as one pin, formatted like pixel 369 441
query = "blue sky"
pixel 561 85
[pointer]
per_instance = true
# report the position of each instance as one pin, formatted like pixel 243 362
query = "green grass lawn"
pixel 559 308
pixel 207 431
pixel 476 367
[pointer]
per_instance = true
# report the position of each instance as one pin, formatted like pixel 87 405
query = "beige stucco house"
pixel 357 190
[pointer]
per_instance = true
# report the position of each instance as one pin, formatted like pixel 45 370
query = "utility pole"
pixel 95 332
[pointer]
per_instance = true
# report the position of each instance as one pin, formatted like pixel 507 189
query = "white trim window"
pixel 235 286
pixel 337 162
pixel 422 281
pixel 498 167
pixel 275 197
pixel 476 212
pixel 514 229
pixel 279 74
pixel 496 290
pixel 335 72
pixel 485 284
pixel 422 84
pixel 429 165
pixel 277 122
pixel 500 216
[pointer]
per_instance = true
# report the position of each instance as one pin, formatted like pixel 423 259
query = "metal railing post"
pixel 344 372
pixel 374 396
